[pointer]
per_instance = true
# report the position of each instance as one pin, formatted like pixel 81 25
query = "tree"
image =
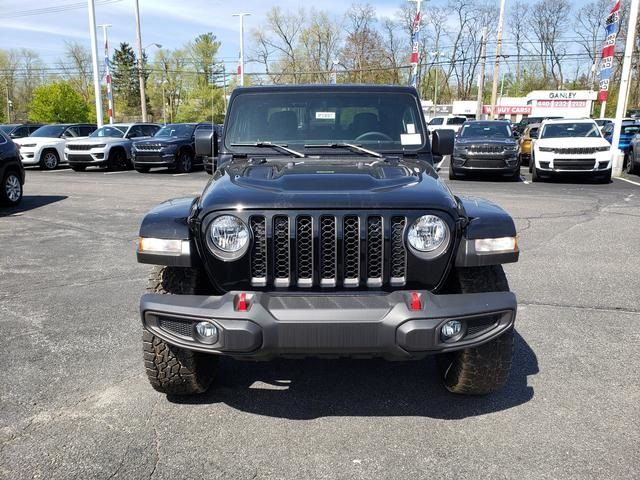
pixel 126 84
pixel 203 51
pixel 517 26
pixel 77 69
pixel 58 102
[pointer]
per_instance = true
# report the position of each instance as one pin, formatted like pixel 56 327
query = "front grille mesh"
pixel 149 147
pixel 178 327
pixel 485 149
pixel 576 151
pixel 79 147
pixel 328 250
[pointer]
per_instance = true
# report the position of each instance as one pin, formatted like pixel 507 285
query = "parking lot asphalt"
pixel 75 402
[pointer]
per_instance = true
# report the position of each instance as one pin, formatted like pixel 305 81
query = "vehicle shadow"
pixel 31 202
pixel 309 389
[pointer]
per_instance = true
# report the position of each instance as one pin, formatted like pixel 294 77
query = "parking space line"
pixel 113 173
pixel 54 171
pixel 179 174
pixel 627 180
pixel 524 180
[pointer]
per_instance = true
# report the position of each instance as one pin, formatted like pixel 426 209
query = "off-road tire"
pixel 141 169
pixel 170 369
pixel 483 369
pixel 78 168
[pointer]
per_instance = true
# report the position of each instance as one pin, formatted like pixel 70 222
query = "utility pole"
pixel 241 65
pixel 496 67
pixel 107 71
pixel 9 103
pixel 625 78
pixel 415 46
pixel 94 61
pixel 143 94
pixel 483 61
pixel 224 87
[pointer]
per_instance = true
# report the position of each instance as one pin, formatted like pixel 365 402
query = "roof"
pixel 327 87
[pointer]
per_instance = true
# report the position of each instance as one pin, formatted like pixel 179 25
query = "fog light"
pixel 451 329
pixel 207 332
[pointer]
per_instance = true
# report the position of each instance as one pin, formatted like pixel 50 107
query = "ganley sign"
pixel 563 95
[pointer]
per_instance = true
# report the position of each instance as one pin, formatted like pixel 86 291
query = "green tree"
pixel 57 102
pixel 203 51
pixel 126 84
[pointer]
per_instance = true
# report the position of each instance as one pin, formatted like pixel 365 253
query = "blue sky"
pixel 168 22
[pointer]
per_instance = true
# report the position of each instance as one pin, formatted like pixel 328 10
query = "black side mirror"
pixel 442 142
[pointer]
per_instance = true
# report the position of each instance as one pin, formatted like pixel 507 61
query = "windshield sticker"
pixel 325 115
pixel 411 139
pixel 411 128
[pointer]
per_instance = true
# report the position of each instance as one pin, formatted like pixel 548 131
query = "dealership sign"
pixel 561 103
pixel 508 110
pixel 612 25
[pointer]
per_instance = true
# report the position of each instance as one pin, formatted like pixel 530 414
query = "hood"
pixel 308 183
pixel 163 141
pixel 97 140
pixel 38 140
pixel 572 142
pixel 485 141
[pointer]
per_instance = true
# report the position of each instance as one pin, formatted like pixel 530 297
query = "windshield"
pixel 49 131
pixel 485 130
pixel 456 120
pixel 629 129
pixel 561 130
pixel 374 120
pixel 7 128
pixel 109 132
pixel 176 130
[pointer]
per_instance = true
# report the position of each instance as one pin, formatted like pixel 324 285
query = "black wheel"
pixel 483 369
pixel 117 160
pixel 606 178
pixel 142 169
pixel 534 174
pixel 49 160
pixel 78 168
pixel 11 190
pixel 170 369
pixel 452 175
pixel 631 167
pixel 184 163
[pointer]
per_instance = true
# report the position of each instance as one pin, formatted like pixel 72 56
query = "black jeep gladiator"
pixel 325 231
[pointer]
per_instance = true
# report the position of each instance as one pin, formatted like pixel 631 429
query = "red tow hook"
pixel 415 304
pixel 241 302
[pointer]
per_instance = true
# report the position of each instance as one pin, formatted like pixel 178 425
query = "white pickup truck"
pixel 446 123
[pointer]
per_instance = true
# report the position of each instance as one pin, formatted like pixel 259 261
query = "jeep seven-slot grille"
pixel 576 151
pixel 485 149
pixel 328 250
pixel 71 146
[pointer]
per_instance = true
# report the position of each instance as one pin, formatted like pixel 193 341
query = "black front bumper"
pixel 356 325
pixel 497 165
pixel 153 159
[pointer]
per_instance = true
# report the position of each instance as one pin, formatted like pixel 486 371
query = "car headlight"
pixel 546 149
pixel 429 234
pixel 101 145
pixel 603 149
pixel 228 237
pixel 170 148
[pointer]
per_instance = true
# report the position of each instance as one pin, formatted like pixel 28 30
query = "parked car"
pixel 518 128
pixel 11 172
pixel 628 130
pixel 172 146
pixel 326 231
pixel 451 122
pixel 632 159
pixel 108 146
pixel 19 130
pixel 45 146
pixel 571 147
pixel 603 122
pixel 485 147
pixel 526 142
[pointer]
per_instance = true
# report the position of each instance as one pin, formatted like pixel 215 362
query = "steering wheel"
pixel 366 135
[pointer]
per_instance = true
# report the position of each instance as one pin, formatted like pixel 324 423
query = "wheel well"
pixel 10 168
pixel 186 149
pixel 50 149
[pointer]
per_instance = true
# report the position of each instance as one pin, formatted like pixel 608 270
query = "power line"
pixel 54 9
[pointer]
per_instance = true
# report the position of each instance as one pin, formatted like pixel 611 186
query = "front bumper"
pixel 355 325
pixel 560 164
pixel 498 164
pixel 154 159
pixel 85 158
pixel 30 155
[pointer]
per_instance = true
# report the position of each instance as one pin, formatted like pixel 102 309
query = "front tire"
pixel 631 167
pixel 49 160
pixel 184 163
pixel 173 370
pixel 11 190
pixel 483 369
pixel 117 160
pixel 535 177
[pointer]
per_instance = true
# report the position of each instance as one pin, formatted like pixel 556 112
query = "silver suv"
pixel 109 146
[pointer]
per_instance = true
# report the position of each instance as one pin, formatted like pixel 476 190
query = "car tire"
pixel 604 179
pixel 117 160
pixel 49 160
pixel 535 177
pixel 11 190
pixel 184 162
pixel 142 169
pixel 483 369
pixel 631 167
pixel 78 168
pixel 173 370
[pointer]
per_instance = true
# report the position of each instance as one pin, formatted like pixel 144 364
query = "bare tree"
pixel 320 41
pixel 77 70
pixel 517 27
pixel 590 30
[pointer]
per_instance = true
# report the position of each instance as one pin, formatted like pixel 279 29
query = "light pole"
pixel 143 94
pixel 496 66
pixel 107 71
pixel 483 61
pixel 94 61
pixel 241 66
pixel 9 102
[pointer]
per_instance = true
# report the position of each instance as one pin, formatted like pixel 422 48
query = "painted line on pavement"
pixel 114 173
pixel 55 171
pixel 179 174
pixel 524 180
pixel 627 180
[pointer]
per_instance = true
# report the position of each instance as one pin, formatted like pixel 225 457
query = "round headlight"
pixel 229 234
pixel 428 233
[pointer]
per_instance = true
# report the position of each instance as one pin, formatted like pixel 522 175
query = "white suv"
pixel 446 123
pixel 574 147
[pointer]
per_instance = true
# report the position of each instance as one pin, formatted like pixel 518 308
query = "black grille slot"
pixel 484 163
pixel 79 147
pixel 281 254
pixel 485 149
pixel 258 251
pixel 178 327
pixel 375 249
pixel 328 254
pixel 351 232
pixel 574 164
pixel 398 252
pixel 576 151
pixel 304 250
pixel 477 326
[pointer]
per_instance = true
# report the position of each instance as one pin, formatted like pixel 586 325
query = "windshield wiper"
pixel 350 146
pixel 275 146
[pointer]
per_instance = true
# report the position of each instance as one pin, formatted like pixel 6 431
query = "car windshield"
pixel 109 132
pixel 578 129
pixel 485 130
pixel 629 129
pixel 456 120
pixel 528 120
pixel 49 131
pixel 371 119
pixel 176 130
pixel 7 128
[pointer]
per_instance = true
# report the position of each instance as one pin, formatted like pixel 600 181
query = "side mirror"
pixel 442 142
pixel 204 143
